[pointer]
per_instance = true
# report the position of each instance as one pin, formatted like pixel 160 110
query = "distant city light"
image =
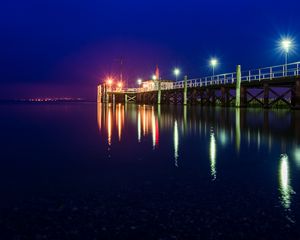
pixel 139 81
pixel 154 77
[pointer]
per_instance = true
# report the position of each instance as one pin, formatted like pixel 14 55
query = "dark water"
pixel 82 171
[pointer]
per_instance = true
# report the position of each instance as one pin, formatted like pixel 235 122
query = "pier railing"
pixel 267 73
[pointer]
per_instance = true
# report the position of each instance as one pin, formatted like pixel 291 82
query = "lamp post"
pixel 213 64
pixel 286 45
pixel 176 72
pixel 109 83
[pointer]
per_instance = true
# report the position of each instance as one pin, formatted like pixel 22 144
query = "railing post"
pixel 297 69
pixel 185 91
pixel 249 76
pixel 271 73
pixel 259 74
pixel 238 86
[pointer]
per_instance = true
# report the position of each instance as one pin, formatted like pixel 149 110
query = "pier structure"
pixel 264 87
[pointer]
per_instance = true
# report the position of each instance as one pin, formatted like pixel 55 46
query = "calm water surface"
pixel 87 171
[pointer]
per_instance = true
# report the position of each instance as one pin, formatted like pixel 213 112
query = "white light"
pixel 176 71
pixel 154 77
pixel 214 62
pixel 284 182
pixel 139 81
pixel 286 44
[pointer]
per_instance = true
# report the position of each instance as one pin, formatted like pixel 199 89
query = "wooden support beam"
pixel 255 97
pixel 280 97
pixel 266 95
pixel 243 96
pixel 295 96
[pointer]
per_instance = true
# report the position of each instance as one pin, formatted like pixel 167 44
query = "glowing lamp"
pixel 286 44
pixel 120 84
pixel 214 62
pixel 109 81
pixel 176 71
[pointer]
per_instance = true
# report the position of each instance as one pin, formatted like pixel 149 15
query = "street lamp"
pixel 109 82
pixel 154 78
pixel 176 72
pixel 120 84
pixel 286 45
pixel 213 64
pixel 139 81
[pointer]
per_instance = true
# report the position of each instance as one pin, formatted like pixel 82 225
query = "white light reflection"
pixel 176 143
pixel 153 129
pixel 223 137
pixel 297 156
pixel 284 182
pixel 139 124
pixel 212 155
pixel 109 123
pixel 119 122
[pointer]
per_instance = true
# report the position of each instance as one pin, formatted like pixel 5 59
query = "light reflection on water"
pixel 212 155
pixel 285 188
pixel 176 143
pixel 232 129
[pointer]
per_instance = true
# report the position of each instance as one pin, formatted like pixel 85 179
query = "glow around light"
pixel 139 81
pixel 214 62
pixel 176 72
pixel 284 182
pixel 154 77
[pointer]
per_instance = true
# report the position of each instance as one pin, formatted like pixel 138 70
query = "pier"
pixel 275 86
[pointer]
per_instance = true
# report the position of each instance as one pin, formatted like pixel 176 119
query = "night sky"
pixel 63 48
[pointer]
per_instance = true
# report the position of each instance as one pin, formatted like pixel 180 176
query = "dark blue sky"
pixel 64 47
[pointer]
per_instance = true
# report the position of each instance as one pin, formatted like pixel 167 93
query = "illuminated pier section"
pixel 285 189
